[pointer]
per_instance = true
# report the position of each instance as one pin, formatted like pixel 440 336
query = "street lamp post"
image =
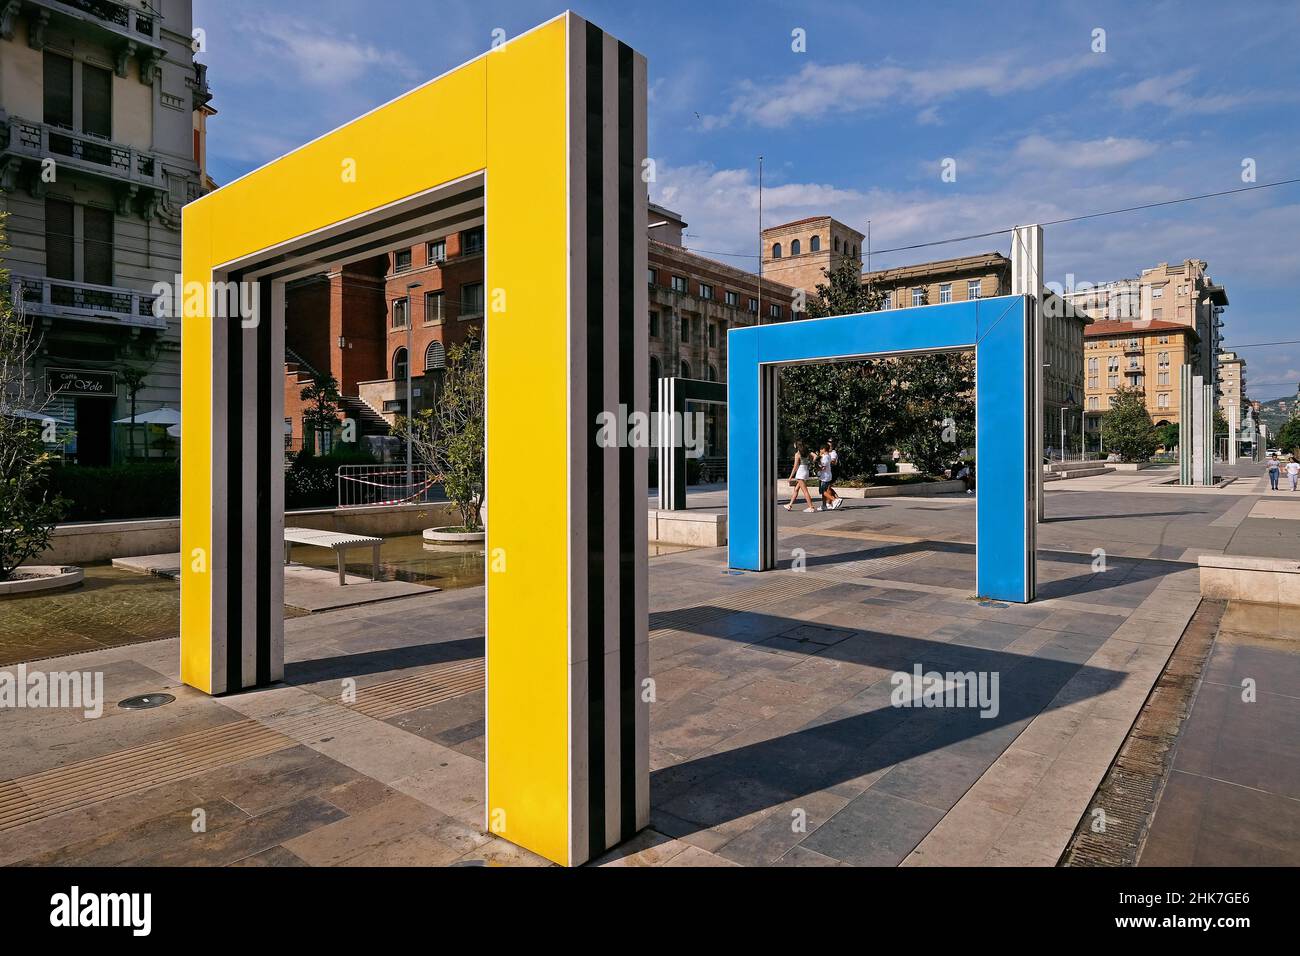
pixel 410 362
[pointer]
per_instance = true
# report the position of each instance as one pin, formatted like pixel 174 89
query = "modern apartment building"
pixel 1232 385
pixel 102 118
pixel 1136 354
pixel 1182 294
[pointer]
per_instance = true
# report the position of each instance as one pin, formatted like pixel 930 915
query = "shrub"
pixel 119 492
pixel 312 480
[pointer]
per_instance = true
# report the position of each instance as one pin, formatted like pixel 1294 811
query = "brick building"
pixel 434 293
pixel 799 253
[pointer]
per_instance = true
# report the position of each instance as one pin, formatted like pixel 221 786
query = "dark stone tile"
pixel 874 829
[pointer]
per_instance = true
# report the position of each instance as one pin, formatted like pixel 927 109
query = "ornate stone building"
pixel 102 118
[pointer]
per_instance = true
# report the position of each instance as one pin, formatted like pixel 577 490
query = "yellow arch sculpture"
pixel 543 141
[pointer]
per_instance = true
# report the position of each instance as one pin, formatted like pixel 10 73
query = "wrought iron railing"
pixel 38 141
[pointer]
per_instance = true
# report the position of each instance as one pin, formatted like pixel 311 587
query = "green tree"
pixel 937 410
pixel 322 412
pixel 1288 437
pixel 133 378
pixel 448 438
pixel 28 510
pixel 1167 435
pixel 1127 427
pixel 853 403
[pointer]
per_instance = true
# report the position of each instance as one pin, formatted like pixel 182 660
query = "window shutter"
pixel 58 239
pixel 96 101
pixel 58 90
pixel 98 252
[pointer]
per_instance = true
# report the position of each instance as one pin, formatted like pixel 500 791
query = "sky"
pixel 1042 116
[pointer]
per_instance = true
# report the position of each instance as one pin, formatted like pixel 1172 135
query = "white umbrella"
pixel 34 416
pixel 174 431
pixel 159 416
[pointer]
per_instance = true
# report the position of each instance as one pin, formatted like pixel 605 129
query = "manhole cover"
pixel 145 701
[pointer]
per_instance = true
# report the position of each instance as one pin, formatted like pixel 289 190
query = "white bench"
pixel 340 543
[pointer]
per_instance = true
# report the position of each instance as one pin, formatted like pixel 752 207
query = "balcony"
pixel 107 305
pixel 127 30
pixel 27 142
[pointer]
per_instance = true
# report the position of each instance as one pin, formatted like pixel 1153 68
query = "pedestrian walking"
pixel 1293 471
pixel 799 477
pixel 1274 470
pixel 826 477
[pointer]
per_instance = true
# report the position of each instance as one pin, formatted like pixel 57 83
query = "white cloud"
pixel 819 90
pixel 320 58
pixel 1169 91
pixel 1083 154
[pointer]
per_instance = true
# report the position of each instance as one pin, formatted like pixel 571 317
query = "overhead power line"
pixel 1053 222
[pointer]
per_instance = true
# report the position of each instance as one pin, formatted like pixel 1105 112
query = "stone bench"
pixel 339 543
pixel 1233 577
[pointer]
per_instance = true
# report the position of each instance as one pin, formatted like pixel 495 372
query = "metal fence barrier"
pixel 372 485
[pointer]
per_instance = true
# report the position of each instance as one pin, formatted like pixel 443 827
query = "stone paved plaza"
pixel 773 737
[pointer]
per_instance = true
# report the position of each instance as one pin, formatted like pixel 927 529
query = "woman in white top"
pixel 799 477
pixel 830 500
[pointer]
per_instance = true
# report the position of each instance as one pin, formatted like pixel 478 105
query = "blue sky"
pixel 858 126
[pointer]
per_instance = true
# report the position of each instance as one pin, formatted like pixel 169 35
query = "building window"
pixel 973 288
pixel 855 251
pixel 437 251
pixel 918 297
pixel 650 276
pixel 402 260
pixel 1112 381
pixel 58 90
pixel 471 300
pixel 399 365
pixel 1163 340
pixel 60 230
pixel 706 291
pixel 733 298
pixel 433 306
pixel 713 335
pixel 679 284
pixel 471 241
pixel 1163 358
pixel 889 301
pixel 815 244
pixel 654 324
pixel 776 250
pixel 795 248
pixel 96 101
pixel 1158 292
pixel 686 328
pixel 655 375
pixel 774 311
pixel 712 373
pixel 753 305
pixel 1112 363
pixel 399 313
pixel 1157 314
pixel 686 369
pixel 945 292
pixel 837 243
pixel 1093 403
pixel 435 356
pixel 1162 378
pixel 1162 400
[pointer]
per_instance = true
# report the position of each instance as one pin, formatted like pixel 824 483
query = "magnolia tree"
pixel 1127 427
pixel 28 512
pixel 448 438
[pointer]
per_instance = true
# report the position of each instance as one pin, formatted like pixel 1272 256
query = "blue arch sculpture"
pixel 1001 331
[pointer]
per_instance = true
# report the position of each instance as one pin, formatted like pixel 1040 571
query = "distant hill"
pixel 1276 412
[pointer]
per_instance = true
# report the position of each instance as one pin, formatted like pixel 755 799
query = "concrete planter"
pixel 41 577
pixel 1229 577
pixel 1127 465
pixel 445 536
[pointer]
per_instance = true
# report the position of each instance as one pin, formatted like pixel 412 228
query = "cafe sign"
pixel 71 381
